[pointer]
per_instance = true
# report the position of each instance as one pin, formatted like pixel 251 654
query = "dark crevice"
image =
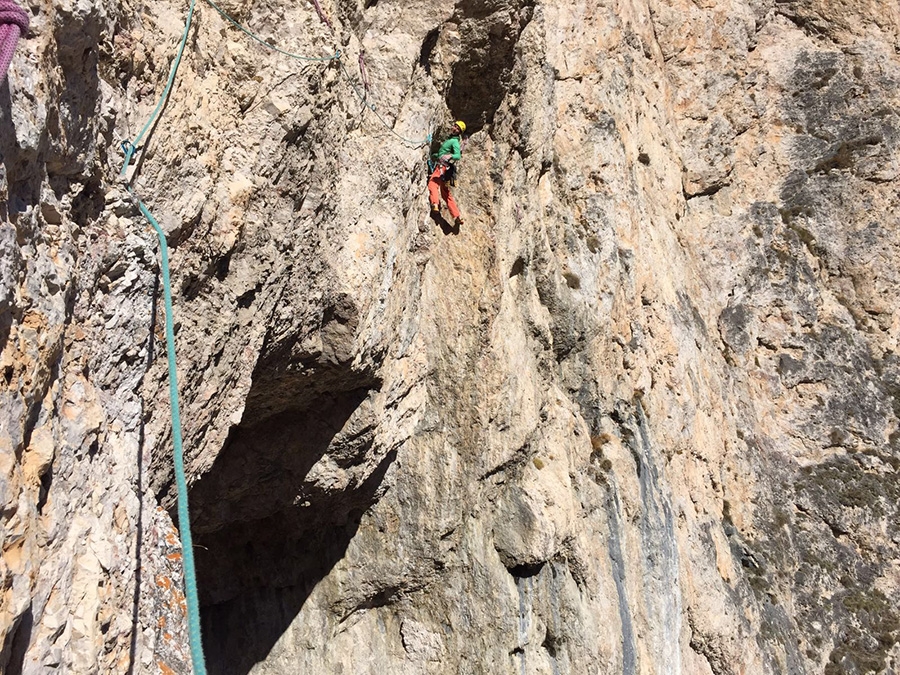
pixel 551 644
pixel 246 299
pixel 708 191
pixel 526 570
pixel 44 490
pixel 484 73
pixel 12 657
pixel 428 45
pixel 88 204
pixel 573 281
pixel 294 135
pixel 255 576
pixel 382 598
pixel 267 527
pixel 519 458
pixel 836 531
pixel 804 24
pixel 517 267
pixel 191 286
pixel 223 267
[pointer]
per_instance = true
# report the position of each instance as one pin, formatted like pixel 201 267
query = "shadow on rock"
pixel 277 511
pixel 446 226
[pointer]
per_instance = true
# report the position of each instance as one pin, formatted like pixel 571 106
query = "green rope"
pixel 253 36
pixel 132 147
pixel 184 520
pixel 129 148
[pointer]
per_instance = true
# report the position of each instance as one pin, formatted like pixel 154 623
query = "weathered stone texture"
pixel 639 414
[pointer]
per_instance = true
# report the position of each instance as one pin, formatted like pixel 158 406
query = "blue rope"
pixel 184 520
pixel 129 151
pixel 129 148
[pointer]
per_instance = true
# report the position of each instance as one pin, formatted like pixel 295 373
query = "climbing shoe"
pixel 435 209
pixel 459 221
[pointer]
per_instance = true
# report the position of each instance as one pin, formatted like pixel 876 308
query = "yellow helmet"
pixel 461 125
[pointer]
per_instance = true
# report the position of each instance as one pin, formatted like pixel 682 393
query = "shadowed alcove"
pixel 281 503
pixel 482 77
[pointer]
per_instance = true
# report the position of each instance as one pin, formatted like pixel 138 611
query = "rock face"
pixel 639 414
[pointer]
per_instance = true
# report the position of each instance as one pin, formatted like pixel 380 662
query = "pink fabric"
pixel 322 16
pixel 363 75
pixel 13 24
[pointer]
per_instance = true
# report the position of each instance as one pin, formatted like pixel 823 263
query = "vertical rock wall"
pixel 637 415
pixel 90 563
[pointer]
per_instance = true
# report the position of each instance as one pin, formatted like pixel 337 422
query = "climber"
pixel 444 170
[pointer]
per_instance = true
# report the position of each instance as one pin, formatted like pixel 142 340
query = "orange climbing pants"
pixel 438 188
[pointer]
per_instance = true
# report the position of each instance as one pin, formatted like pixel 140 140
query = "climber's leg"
pixel 451 203
pixel 434 189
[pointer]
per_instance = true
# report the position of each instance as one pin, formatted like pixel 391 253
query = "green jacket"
pixel 450 147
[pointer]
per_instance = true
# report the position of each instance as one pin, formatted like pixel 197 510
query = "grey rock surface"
pixel 638 414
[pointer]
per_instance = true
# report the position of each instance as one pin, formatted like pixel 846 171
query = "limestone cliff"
pixel 639 414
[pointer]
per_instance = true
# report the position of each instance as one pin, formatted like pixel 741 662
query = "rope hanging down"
pixel 13 25
pixel 129 148
pixel 184 520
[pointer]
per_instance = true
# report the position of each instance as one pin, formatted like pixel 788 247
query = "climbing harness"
pixel 447 174
pixel 13 25
pixel 450 175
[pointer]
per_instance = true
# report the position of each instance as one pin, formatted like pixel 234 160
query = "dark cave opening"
pixel 267 528
pixel 483 75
